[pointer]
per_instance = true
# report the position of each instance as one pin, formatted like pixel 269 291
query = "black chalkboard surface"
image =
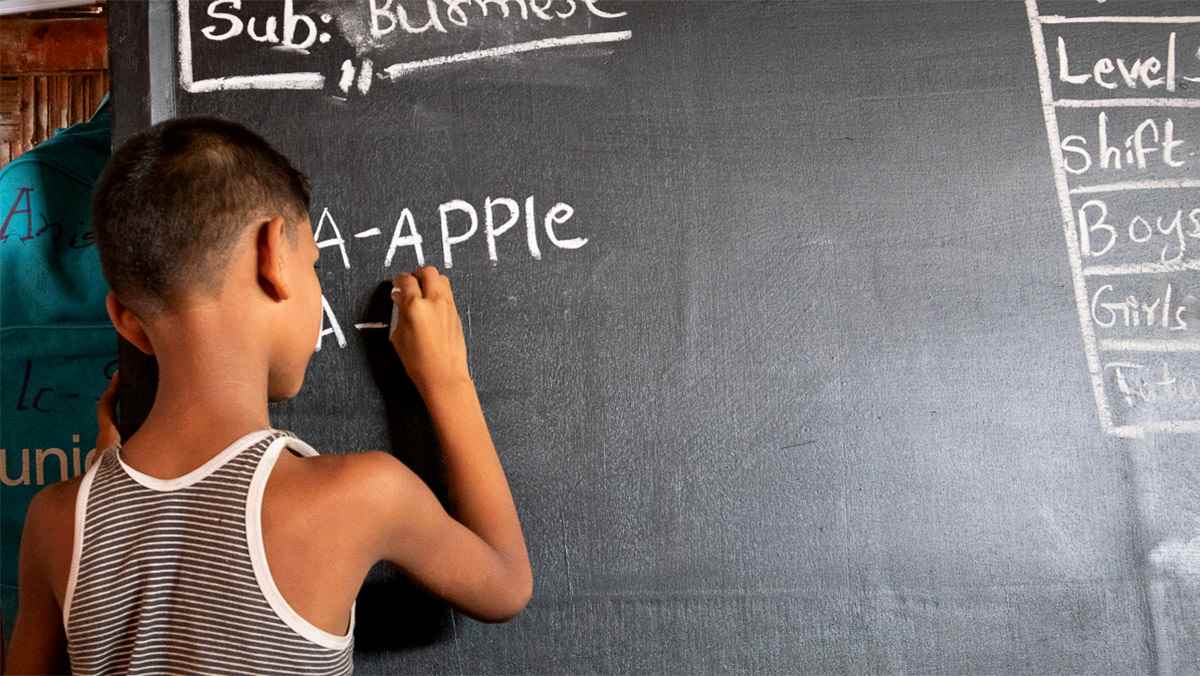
pixel 822 337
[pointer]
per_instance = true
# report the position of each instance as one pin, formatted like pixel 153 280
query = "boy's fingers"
pixel 441 283
pixel 110 392
pixel 106 404
pixel 449 292
pixel 404 287
pixel 431 287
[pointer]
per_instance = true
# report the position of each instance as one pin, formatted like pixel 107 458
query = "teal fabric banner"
pixel 57 346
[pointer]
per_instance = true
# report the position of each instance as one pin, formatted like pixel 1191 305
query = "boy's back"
pixel 214 561
pixel 203 543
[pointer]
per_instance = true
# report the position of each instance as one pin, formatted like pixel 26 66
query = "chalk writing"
pixel 299 31
pixel 388 15
pixel 458 222
pixel 1168 234
pixel 1151 141
pixel 1148 72
pixel 1110 308
pixel 284 27
pixel 1121 131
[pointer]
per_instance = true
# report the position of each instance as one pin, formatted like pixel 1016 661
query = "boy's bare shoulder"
pixel 361 471
pixel 55 504
pixel 350 477
pixel 357 493
pixel 327 463
pixel 57 500
pixel 373 471
pixel 372 485
pixel 50 526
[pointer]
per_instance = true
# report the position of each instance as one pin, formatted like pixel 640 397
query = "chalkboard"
pixel 814 336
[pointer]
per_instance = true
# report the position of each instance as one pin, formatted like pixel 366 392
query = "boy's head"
pixel 200 223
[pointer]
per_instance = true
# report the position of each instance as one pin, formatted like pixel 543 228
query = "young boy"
pixel 198 545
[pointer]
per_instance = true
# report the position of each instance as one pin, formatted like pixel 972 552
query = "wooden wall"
pixel 53 73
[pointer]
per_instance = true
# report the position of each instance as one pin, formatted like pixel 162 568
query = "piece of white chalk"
pixel 395 319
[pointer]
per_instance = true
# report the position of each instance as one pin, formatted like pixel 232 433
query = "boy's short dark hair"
pixel 173 201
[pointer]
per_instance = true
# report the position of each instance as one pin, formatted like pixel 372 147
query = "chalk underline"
pixel 1163 184
pixel 393 72
pixel 1150 345
pixel 1148 268
pixel 1054 18
pixel 1131 103
pixel 398 70
pixel 1142 429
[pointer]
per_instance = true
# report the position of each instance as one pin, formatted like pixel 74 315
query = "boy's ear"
pixel 127 323
pixel 272 259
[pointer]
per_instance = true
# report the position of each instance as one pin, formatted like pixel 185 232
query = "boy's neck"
pixel 210 392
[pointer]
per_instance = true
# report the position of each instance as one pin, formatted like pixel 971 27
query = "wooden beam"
pixel 53 45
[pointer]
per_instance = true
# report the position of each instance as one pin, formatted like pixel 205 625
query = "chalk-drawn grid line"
pixel 1164 345
pixel 1049 113
pixel 1058 18
pixel 1128 103
pixel 1159 184
pixel 312 80
pixel 1050 105
pixel 1189 265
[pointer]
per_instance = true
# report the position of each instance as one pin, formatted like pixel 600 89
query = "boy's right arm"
pixel 414 532
pixel 478 560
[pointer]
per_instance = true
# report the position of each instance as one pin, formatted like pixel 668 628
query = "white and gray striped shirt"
pixel 171 576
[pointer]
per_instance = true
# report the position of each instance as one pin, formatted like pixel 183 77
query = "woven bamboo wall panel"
pixel 33 106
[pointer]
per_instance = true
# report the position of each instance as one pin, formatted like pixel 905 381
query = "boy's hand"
pixel 428 336
pixel 106 415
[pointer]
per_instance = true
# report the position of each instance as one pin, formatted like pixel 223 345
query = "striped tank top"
pixel 171 576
